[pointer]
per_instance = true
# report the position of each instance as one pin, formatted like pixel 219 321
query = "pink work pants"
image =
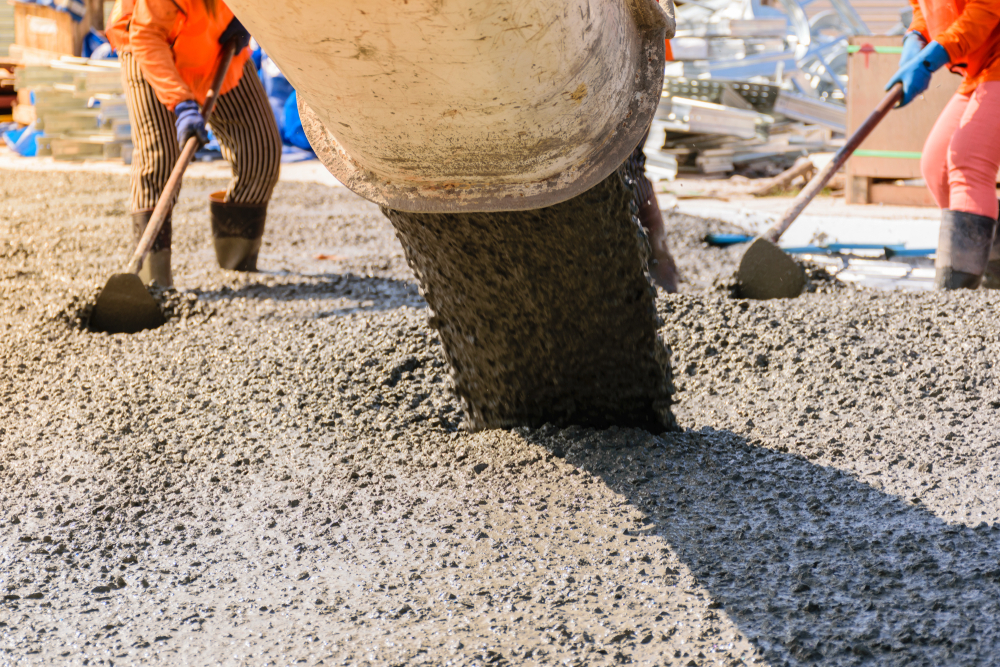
pixel 962 152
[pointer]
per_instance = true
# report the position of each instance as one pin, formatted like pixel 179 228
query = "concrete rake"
pixel 125 305
pixel 766 272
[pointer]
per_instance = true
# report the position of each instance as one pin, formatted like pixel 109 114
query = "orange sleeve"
pixel 149 37
pixel 971 30
pixel 116 29
pixel 919 23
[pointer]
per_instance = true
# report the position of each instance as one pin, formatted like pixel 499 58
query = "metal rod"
pixel 820 180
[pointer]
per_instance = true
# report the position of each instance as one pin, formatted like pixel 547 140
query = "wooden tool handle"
pixel 819 181
pixel 165 202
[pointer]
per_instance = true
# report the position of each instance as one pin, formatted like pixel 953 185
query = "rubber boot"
pixel 237 231
pixel 662 269
pixel 156 266
pixel 991 279
pixel 963 250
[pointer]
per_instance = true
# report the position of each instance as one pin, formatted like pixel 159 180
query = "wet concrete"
pixel 276 475
pixel 546 315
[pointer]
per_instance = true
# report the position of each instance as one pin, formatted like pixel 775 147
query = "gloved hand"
pixel 189 122
pixel 913 43
pixel 915 75
pixel 235 29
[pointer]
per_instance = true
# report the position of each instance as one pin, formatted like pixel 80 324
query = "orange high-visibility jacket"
pixel 176 43
pixel 969 30
pixel 117 29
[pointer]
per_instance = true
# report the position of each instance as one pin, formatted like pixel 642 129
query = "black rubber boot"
pixel 963 250
pixel 156 266
pixel 237 232
pixel 991 279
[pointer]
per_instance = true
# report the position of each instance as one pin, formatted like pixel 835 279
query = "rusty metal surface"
pixel 456 105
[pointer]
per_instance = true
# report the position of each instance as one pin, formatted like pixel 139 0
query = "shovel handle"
pixel 819 181
pixel 165 202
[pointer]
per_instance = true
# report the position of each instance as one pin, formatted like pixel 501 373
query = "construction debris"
pixel 753 87
pixel 77 107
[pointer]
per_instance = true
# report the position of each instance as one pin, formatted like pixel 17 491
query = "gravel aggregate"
pixel 279 474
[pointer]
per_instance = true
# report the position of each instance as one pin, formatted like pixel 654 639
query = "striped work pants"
pixel 242 122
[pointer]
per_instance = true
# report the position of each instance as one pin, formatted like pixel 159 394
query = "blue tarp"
pixel 97 47
pixel 22 141
pixel 291 130
pixel 284 105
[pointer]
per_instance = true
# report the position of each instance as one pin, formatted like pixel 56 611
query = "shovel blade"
pixel 125 306
pixel 766 272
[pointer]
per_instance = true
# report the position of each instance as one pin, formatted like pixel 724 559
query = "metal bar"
pixel 850 15
pixel 829 70
pixel 820 180
pixel 837 247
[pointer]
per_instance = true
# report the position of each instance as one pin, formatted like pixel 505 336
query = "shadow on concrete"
pixel 812 564
pixel 370 292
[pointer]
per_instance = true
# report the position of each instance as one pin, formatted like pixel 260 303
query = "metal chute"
pixel 461 105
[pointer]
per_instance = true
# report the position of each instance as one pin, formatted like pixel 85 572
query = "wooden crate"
pixel 84 148
pixel 45 29
pixel 892 151
pixel 40 27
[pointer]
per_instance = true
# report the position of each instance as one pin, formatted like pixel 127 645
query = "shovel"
pixel 765 271
pixel 125 305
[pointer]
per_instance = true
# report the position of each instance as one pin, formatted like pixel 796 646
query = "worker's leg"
pixel 662 268
pixel 969 221
pixel 154 154
pixel 974 154
pixel 934 160
pixel 244 125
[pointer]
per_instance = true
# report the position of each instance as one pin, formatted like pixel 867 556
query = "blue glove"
pixel 915 75
pixel 235 29
pixel 913 43
pixel 190 123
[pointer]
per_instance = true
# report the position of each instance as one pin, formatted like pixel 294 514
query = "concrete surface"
pixel 310 171
pixel 277 475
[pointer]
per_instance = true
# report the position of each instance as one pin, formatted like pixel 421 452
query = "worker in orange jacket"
pixel 170 50
pixel 961 156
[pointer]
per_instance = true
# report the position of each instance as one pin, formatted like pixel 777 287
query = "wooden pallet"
pixel 892 152
pixel 69 148
pixel 879 15
pixel 867 190
pixel 42 28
